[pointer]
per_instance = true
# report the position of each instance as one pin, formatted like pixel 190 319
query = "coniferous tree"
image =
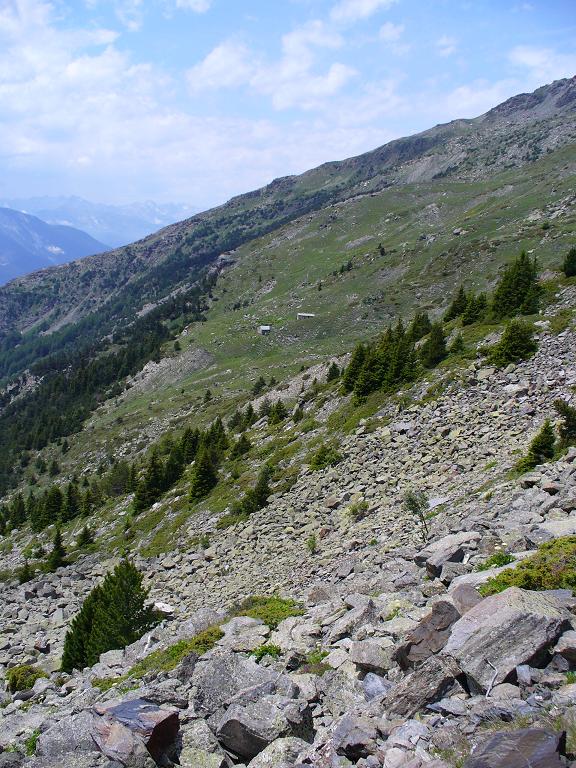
pixel 87 505
pixel 333 372
pixel 25 573
pixel 457 306
pixel 353 368
pixel 216 437
pixel 419 327
pixel 259 385
pixel 569 265
pixel 173 467
pixel 57 557
pixel 541 448
pixel 567 427
pixel 113 615
pixel 518 289
pixel 18 512
pixel 75 654
pixel 517 343
pixel 149 487
pixel 71 505
pixel 457 345
pixel 205 475
pixel 240 447
pixel 189 443
pixel 54 468
pixel 235 421
pixel 249 417
pixel 277 413
pixel 85 538
pixel 434 348
pixel 475 309
pixel 52 506
pixel 264 409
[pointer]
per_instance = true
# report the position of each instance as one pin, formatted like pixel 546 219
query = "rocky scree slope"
pixel 417 668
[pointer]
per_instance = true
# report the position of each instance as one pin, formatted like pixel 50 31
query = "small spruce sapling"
pixel 416 503
pixel 540 450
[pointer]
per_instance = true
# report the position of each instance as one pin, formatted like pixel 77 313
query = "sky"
pixel 194 101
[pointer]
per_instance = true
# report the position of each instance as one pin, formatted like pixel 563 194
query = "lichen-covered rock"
pixel 532 747
pixel 511 628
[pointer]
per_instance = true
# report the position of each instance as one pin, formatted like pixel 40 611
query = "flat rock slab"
pixel 532 747
pixel 512 628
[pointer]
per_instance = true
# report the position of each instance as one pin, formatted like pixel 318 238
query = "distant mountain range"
pixel 28 244
pixel 115 225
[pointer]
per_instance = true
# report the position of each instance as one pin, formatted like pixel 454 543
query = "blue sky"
pixel 197 100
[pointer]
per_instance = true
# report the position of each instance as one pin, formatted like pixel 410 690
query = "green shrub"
pixel 540 450
pixel 30 743
pixel 552 566
pixel 314 663
pixel 168 658
pixel 517 343
pixel 271 610
pixel 267 650
pixel 357 511
pixel 312 544
pixel 325 456
pixel 23 677
pixel 496 560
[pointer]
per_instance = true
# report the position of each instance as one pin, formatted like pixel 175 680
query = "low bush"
pixel 314 663
pixel 552 566
pixel 271 610
pixel 168 658
pixel 267 650
pixel 497 560
pixel 325 456
pixel 22 678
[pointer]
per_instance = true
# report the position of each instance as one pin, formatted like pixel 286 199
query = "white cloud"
pixel 543 64
pixel 289 82
pixel 446 45
pixel 198 6
pixel 226 66
pixel 390 32
pixel 349 11
pixel 130 13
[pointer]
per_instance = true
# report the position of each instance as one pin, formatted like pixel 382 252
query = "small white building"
pixel 304 315
pixel 264 330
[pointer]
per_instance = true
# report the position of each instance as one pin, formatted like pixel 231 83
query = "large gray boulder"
pixel 70 735
pixel 247 729
pixel 200 747
pixel 449 548
pixel 503 631
pixel 219 680
pixel 432 681
pixel 281 751
pixel 532 747
pixel 372 655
